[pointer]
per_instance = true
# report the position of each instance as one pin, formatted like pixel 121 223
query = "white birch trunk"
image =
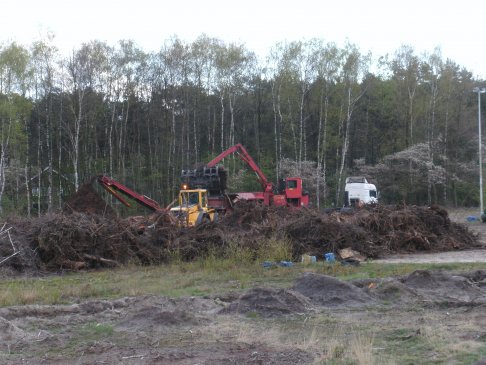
pixel 110 139
pixel 3 154
pixel 321 150
pixel 222 120
pixel 49 163
pixel 345 143
pixel 77 131
pixel 275 131
pixel 294 136
pixel 195 139
pixel 232 119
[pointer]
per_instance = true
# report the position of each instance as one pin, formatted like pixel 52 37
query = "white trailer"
pixel 359 191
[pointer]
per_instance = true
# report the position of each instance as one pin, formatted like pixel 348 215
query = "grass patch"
pixel 98 330
pixel 207 276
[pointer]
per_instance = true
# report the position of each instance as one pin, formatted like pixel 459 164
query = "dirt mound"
pixel 428 287
pixel 87 200
pixel 478 277
pixel 330 292
pixel 159 312
pixel 422 287
pixel 392 291
pixel 153 316
pixel 269 302
pixel 443 287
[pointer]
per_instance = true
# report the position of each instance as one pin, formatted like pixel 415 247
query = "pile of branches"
pixel 374 231
pixel 378 231
pixel 15 255
pixel 80 240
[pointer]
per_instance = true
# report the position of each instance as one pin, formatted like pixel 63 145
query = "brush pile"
pixel 88 234
pixel 374 231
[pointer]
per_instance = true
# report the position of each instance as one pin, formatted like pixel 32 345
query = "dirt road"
pixel 441 257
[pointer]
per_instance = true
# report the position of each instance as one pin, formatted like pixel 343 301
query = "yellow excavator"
pixel 192 209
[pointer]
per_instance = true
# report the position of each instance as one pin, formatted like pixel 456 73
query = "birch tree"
pixel 354 68
pixel 78 78
pixel 272 73
pixel 328 62
pixel 14 108
pixel 405 68
pixel 44 58
pixel 231 64
pixel 288 101
pixel 202 67
pixel 431 73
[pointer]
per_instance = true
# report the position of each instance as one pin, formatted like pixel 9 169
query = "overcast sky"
pixel 379 26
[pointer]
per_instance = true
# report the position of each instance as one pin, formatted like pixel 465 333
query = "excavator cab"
pixel 193 207
pixel 189 198
pixel 294 193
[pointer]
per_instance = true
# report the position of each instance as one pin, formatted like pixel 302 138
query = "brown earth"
pixel 258 327
pixel 87 200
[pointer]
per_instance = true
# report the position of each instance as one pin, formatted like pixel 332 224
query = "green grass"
pixel 95 330
pixel 204 277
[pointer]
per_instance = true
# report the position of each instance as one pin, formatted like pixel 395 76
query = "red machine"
pixel 213 178
pixel 115 188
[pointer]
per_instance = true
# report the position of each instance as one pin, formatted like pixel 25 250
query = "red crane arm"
pixel 245 156
pixel 115 188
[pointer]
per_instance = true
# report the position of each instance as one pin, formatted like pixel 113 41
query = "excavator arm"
pixel 116 189
pixel 245 156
